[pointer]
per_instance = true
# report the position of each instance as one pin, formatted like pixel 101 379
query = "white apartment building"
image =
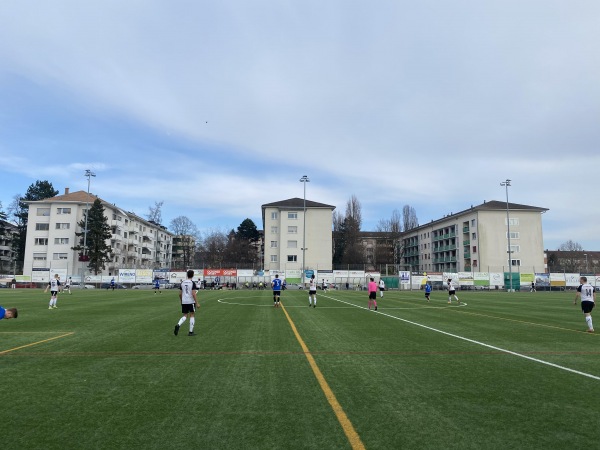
pixel 53 222
pixel 283 227
pixel 7 256
pixel 476 240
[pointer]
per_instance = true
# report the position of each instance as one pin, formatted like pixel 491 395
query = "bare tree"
pixel 213 248
pixel 354 211
pixel 388 248
pixel 409 218
pixel 155 212
pixel 570 246
pixel 184 242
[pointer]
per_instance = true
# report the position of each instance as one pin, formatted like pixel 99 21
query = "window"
pixel 293 230
pixel 114 217
pixel 472 222
pixel 514 248
pixel 41 241
pixel 474 249
pixel 61 241
pixel 43 211
pixel 292 244
pixel 273 258
pixel 42 226
pixel 515 262
pixel 273 244
pixel 274 215
pixel 58 256
pixel 39 257
pixel 474 263
pixel 513 235
pixel 63 210
pixel 63 226
pixel 274 230
pixel 125 234
pixel 474 236
pixel 292 215
pixel 292 258
pixel 514 221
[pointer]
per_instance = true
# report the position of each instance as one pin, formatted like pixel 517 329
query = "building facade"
pixel 476 240
pixel 52 224
pixel 283 228
pixel 7 255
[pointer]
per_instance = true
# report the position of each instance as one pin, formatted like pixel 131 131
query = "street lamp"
pixel 304 180
pixel 506 184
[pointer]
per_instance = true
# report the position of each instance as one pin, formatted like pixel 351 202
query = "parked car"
pixel 117 286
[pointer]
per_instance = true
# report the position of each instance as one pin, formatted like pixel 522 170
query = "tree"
pixel 98 233
pixel 570 246
pixel 242 247
pixel 409 218
pixel 388 250
pixel 155 213
pixel 212 250
pixel 184 243
pixel 40 190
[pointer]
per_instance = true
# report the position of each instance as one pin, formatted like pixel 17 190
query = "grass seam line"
pixel 353 437
pixel 473 341
pixel 35 343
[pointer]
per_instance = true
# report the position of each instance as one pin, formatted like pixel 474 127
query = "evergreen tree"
pixel 98 232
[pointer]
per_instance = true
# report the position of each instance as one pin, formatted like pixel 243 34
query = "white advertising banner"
pixel 143 276
pixel 107 278
pixel 40 275
pixel 177 277
pixel 94 279
pixel 496 279
pixel 126 275
pixel 247 273
pixel 572 279
pixel 465 278
pixel 417 281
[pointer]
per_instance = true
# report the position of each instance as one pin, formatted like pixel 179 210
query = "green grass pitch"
pixel 104 371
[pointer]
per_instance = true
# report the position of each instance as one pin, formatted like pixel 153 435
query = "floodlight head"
pixel 304 179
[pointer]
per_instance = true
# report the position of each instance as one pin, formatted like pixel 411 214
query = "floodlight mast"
pixel 88 174
pixel 304 180
pixel 506 184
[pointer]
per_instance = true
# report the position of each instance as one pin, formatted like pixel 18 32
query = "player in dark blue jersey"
pixel 10 313
pixel 276 285
pixel 427 291
pixel 157 286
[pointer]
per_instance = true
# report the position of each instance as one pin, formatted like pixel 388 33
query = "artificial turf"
pixel 104 370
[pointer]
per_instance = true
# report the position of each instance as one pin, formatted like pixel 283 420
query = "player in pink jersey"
pixel 372 293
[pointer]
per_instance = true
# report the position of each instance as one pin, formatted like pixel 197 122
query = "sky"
pixel 216 108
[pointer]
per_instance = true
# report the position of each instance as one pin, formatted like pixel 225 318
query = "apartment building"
pixel 284 233
pixel 476 240
pixel 6 251
pixel 53 222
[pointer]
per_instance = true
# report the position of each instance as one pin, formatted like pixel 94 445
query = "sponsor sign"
pixel 465 278
pixel 143 276
pixel 245 273
pixel 220 272
pixel 496 279
pixel 481 278
pixel 527 278
pixel 94 278
pixel 40 275
pixel 542 279
pixel 557 279
pixel 572 279
pixel 126 276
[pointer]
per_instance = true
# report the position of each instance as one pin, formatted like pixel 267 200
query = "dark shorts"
pixel 453 292
pixel 312 292
pixel 277 293
pixel 373 295
pixel 188 308
pixel 427 294
pixel 587 307
pixel 53 293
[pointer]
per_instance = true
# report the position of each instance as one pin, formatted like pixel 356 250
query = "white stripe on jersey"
pixel 587 293
pixel 187 290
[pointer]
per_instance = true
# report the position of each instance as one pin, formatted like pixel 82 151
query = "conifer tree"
pixel 98 233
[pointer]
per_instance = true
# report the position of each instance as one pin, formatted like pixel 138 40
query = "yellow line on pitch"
pixel 351 434
pixel 35 343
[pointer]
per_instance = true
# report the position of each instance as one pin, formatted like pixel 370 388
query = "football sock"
pixel 181 321
pixel 588 319
pixel 192 323
pixel 375 303
pixel 315 299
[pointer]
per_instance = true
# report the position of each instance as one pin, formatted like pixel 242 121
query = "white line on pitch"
pixel 472 341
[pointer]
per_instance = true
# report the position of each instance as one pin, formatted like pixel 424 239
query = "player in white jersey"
pixel 68 285
pixel 53 285
pixel 312 292
pixel 452 291
pixel 585 292
pixel 381 287
pixel 189 303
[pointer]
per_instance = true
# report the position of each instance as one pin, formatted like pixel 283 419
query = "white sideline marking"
pixel 472 341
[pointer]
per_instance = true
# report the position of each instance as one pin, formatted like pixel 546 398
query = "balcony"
pixel 466 242
pixel 467 255
pixel 466 229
